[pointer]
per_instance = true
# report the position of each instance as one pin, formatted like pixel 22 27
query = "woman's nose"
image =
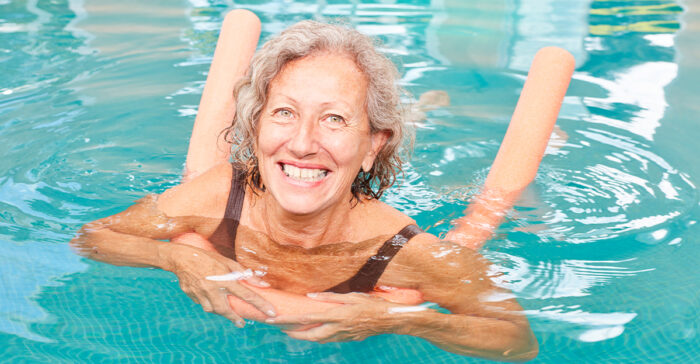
pixel 303 141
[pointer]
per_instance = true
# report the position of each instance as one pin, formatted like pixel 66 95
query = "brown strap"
pixel 234 207
pixel 236 195
pixel 367 277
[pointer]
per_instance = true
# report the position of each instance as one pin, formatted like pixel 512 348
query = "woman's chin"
pixel 299 198
pixel 301 206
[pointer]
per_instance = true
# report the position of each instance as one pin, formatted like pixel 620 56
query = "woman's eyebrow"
pixel 346 107
pixel 284 96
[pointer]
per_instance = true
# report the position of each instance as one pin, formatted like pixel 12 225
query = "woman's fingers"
pixel 258 282
pixel 208 278
pixel 221 307
pixel 231 282
pixel 213 300
pixel 189 290
pixel 248 275
pixel 191 295
pixel 238 273
pixel 251 297
pixel 206 306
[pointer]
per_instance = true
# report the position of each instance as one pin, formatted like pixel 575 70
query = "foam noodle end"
pixel 534 117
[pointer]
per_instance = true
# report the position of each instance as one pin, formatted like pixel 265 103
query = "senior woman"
pixel 316 139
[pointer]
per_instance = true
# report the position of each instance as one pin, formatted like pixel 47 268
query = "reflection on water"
pixel 41 54
pixel 97 99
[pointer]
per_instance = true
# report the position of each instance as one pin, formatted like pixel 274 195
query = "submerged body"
pixel 484 321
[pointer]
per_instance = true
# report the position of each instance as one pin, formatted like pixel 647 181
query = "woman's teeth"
pixel 304 174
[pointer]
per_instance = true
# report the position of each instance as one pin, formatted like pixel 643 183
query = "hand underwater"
pixel 361 315
pixel 208 278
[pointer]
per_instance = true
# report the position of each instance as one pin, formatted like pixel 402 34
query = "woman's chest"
pixel 298 270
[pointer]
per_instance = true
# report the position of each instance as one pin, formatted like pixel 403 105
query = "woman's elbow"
pixel 523 345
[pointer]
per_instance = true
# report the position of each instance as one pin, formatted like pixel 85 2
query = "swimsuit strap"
pixel 367 277
pixel 234 207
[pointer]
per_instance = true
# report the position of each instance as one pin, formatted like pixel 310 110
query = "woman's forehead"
pixel 332 74
pixel 338 60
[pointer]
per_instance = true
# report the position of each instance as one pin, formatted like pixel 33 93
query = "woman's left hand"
pixel 359 317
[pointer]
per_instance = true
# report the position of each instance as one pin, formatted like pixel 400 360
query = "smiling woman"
pixel 316 139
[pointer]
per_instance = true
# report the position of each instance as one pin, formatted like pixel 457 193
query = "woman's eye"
pixel 336 119
pixel 284 113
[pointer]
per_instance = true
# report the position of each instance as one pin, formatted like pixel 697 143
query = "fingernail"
pixel 270 321
pixel 271 313
pixel 240 323
pixel 264 284
pixel 312 295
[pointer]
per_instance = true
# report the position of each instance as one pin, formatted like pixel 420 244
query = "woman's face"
pixel 314 134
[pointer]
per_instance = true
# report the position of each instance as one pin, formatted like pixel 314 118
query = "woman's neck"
pixel 308 231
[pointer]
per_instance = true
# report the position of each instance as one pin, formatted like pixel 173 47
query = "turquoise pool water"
pixel 97 99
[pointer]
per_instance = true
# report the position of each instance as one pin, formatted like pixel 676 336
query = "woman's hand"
pixel 360 316
pixel 208 277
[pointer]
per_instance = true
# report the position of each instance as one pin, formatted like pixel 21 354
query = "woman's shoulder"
pixel 378 218
pixel 203 196
pixel 382 218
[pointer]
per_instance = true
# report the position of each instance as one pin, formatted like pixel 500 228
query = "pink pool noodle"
pixel 521 150
pixel 530 127
pixel 234 49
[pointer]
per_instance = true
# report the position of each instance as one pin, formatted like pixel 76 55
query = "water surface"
pixel 97 100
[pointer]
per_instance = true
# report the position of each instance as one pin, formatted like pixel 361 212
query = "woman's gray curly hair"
pixel 383 104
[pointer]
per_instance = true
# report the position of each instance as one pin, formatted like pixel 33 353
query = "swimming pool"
pixel 97 100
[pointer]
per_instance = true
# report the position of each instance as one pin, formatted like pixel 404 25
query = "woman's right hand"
pixel 209 277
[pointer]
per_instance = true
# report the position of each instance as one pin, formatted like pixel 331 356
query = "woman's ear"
pixel 379 139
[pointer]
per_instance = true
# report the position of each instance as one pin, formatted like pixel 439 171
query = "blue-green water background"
pixel 97 99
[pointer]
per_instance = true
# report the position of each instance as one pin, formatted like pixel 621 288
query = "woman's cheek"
pixel 344 148
pixel 271 136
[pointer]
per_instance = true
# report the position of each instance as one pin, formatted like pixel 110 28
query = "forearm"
pixel 102 244
pixel 491 338
pixel 485 213
pixel 287 303
pixel 485 320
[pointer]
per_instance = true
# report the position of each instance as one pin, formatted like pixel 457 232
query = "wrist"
pixel 167 255
pixel 413 323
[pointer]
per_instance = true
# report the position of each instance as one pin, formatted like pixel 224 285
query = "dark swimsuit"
pixel 363 281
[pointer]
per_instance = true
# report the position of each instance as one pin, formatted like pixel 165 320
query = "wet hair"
pixel 383 104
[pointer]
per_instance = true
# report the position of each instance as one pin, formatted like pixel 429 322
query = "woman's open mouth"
pixel 303 174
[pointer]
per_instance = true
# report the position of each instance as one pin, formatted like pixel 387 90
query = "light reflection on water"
pixel 95 112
